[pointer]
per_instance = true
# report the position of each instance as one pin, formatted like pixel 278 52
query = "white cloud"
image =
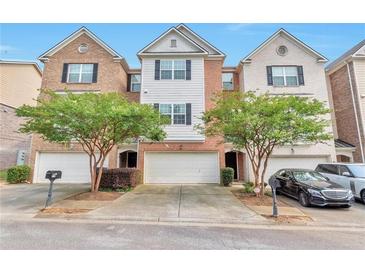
pixel 238 27
pixel 6 48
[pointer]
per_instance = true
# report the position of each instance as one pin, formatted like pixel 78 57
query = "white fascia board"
pixel 320 59
pixel 142 51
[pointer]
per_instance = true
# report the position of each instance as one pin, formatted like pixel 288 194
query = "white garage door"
pixel 292 162
pixel 181 167
pixel 74 166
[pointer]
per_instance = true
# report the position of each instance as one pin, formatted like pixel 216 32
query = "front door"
pixel 231 161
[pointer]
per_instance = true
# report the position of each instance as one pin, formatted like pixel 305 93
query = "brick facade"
pixel 344 110
pixel 11 140
pixel 112 77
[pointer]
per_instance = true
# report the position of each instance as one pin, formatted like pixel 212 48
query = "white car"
pixel 348 175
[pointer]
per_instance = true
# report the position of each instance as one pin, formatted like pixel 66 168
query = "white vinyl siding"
pixel 176 92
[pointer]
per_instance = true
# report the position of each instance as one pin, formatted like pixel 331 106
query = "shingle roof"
pixel 347 54
pixel 342 144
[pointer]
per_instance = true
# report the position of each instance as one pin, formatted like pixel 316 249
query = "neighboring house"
pixel 285 65
pixel 180 73
pixel 19 84
pixel 346 78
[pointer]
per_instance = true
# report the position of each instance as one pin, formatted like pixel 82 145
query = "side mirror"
pixel 346 173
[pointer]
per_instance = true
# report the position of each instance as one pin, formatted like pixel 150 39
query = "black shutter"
pixel 188 114
pixel 157 69
pixel 64 73
pixel 95 73
pixel 188 69
pixel 129 82
pixel 300 75
pixel 156 106
pixel 269 75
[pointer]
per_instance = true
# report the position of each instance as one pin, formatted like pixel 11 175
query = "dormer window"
pixel 173 43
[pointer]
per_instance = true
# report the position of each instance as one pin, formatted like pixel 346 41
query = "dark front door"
pixel 231 161
pixel 128 159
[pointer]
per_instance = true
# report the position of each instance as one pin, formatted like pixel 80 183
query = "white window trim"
pixel 284 75
pixel 173 70
pixel 140 80
pixel 173 113
pixel 80 74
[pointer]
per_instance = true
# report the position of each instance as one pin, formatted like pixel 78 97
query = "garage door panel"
pixel 74 166
pixel 181 167
pixel 276 164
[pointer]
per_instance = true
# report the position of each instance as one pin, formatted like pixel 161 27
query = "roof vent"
pixel 173 43
pixel 282 50
pixel 83 48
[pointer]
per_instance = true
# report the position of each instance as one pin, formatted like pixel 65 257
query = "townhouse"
pixel 179 75
pixel 15 146
pixel 346 83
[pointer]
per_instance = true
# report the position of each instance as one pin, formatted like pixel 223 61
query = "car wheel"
pixel 362 195
pixel 303 199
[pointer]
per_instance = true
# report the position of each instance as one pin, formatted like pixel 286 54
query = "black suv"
pixel 312 188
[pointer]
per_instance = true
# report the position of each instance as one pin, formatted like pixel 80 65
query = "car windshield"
pixel 304 176
pixel 358 171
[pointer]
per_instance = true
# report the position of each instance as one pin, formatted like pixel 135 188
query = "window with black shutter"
pixel 157 69
pixel 269 75
pixel 300 75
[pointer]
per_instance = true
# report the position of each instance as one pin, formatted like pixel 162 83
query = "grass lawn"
pixel 3 174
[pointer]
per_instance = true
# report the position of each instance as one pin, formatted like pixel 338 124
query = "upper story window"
pixel 136 82
pixel 175 112
pixel 80 73
pixel 172 69
pixel 285 76
pixel 173 43
pixel 227 81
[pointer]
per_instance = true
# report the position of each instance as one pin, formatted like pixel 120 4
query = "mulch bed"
pixel 251 199
pixel 96 196
pixel 55 210
pixel 289 219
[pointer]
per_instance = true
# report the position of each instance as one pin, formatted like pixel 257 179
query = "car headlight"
pixel 315 193
pixel 350 194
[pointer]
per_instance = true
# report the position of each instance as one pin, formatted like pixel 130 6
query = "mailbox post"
pixel 52 175
pixel 274 183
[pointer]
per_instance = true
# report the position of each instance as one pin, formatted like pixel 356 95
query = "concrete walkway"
pixel 180 203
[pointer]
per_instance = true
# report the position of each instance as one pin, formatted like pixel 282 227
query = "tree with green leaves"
pixel 260 123
pixel 97 122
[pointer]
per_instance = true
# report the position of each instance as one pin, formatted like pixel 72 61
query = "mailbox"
pixel 52 175
pixel 274 182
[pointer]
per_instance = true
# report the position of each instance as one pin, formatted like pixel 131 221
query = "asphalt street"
pixel 63 234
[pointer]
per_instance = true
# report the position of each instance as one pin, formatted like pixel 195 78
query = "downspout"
pixel 356 117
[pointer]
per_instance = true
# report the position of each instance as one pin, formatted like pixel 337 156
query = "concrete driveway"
pixel 199 203
pixel 23 199
pixel 354 216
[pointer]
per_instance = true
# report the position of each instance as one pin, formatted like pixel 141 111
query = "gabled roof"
pixel 21 62
pixel 76 34
pixel 171 30
pixel 320 57
pixel 351 53
pixel 202 45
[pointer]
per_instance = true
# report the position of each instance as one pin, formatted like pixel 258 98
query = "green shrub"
pixel 248 187
pixel 18 174
pixel 227 175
